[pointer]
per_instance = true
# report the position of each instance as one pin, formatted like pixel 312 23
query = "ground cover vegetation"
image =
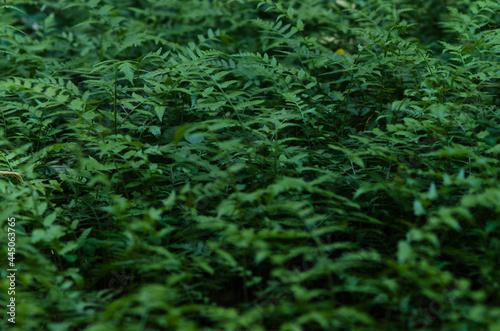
pixel 251 165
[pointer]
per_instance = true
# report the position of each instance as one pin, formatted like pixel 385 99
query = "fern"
pixel 254 165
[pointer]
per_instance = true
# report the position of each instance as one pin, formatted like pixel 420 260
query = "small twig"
pixel 12 173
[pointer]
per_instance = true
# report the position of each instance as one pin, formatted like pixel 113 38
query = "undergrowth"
pixel 251 165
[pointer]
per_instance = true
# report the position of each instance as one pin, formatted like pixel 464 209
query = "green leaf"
pixel 405 252
pixel 160 110
pixel 226 256
pixel 181 131
pixel 205 267
pixel 128 70
pixel 84 236
pixel 68 247
pixel 432 193
pixel 356 159
pixel 300 25
pixel 418 208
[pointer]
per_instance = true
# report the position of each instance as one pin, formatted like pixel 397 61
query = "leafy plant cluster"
pixel 252 164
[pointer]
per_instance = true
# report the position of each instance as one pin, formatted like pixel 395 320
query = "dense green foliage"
pixel 251 165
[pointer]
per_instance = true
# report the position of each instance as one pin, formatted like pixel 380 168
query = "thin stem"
pixel 114 101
